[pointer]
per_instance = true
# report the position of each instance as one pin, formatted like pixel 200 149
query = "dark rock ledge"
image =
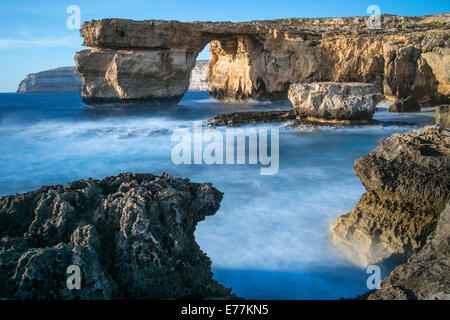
pixel 289 118
pixel 131 235
pixel 237 119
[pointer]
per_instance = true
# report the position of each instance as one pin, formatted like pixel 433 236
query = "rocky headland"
pixel 65 79
pixel 151 60
pixel 407 181
pixel 68 79
pixel 132 237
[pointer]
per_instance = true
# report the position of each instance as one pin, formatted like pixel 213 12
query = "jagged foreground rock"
pixel 426 275
pixel 151 60
pixel 407 178
pixel 131 235
pixel 337 102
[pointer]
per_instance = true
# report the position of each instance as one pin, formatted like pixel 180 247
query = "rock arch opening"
pixel 151 61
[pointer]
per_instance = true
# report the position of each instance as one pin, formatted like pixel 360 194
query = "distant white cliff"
pixel 68 79
pixel 198 80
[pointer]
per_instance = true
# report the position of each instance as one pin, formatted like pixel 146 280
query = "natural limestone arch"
pixel 151 61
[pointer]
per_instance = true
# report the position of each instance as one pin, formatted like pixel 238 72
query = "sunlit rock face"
pixel 334 101
pixel 258 60
pixel 135 75
pixel 407 187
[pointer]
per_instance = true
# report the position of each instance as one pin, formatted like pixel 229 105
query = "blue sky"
pixel 34 36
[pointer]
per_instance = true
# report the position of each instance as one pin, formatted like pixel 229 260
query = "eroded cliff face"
pixel 152 60
pixel 408 56
pixel 407 181
pixel 426 274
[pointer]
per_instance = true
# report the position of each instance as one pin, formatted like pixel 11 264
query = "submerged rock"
pixel 237 119
pixel 335 102
pixel 443 116
pixel 409 104
pixel 289 120
pixel 132 236
pixel 407 181
pixel 426 275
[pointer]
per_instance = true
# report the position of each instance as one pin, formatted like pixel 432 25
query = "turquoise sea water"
pixel 269 240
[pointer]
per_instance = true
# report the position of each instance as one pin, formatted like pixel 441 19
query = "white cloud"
pixel 25 33
pixel 69 41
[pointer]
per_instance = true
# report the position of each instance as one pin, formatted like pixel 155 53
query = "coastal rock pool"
pixel 269 240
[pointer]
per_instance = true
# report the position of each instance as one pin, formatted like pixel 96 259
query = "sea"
pixel 270 238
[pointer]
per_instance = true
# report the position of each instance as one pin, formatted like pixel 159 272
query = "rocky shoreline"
pixel 403 220
pixel 426 274
pixel 132 237
pixel 407 181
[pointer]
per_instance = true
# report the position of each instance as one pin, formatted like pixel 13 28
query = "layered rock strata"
pixel 131 236
pixel 258 60
pixel 65 79
pixel 407 181
pixel 331 101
